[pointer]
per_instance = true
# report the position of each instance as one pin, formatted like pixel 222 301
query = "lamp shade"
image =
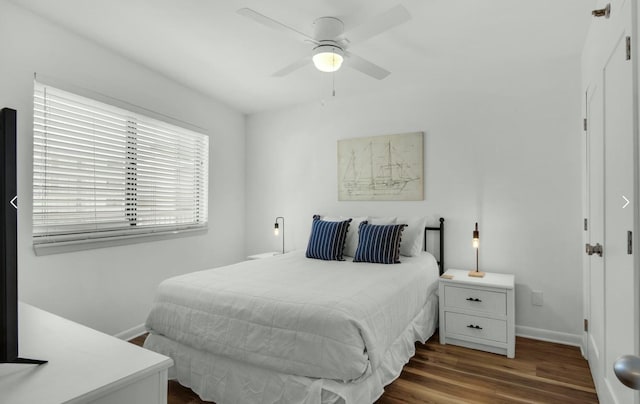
pixel 327 58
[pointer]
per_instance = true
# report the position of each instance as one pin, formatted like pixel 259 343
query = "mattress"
pixel 332 320
pixel 225 380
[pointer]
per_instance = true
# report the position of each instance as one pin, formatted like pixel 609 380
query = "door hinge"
pixel 628 48
pixel 629 242
pixel 602 12
pixel 586 325
pixel 586 226
pixel 584 124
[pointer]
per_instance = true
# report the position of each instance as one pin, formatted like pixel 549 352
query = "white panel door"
pixel 620 309
pixel 611 283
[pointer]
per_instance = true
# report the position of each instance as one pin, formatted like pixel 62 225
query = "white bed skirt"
pixel 227 381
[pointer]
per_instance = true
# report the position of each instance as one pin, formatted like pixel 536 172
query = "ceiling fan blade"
pixel 293 67
pixel 366 67
pixel 271 23
pixel 378 24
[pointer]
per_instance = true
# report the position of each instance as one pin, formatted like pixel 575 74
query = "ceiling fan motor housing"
pixel 327 28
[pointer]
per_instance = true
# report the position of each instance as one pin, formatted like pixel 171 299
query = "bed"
pixel 296 330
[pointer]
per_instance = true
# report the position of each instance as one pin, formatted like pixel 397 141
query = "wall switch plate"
pixel 537 298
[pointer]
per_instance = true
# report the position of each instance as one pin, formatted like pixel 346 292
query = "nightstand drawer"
pixel 478 327
pixel 475 299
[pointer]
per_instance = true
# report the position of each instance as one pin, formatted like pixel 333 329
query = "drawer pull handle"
pixel 476 327
pixel 473 299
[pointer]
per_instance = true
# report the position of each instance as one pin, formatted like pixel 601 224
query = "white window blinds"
pixel 101 172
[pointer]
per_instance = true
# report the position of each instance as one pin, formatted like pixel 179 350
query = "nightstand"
pixel 478 313
pixel 263 255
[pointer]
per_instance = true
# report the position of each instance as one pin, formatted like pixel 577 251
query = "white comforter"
pixel 298 316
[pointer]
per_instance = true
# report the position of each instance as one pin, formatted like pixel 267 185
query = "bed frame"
pixel 439 229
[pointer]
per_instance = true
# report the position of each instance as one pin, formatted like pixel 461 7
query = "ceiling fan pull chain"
pixel 333 78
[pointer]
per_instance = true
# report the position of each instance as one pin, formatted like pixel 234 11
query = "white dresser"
pixel 84 366
pixel 478 313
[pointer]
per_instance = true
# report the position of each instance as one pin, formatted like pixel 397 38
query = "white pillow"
pixel 413 235
pixel 352 236
pixel 333 219
pixel 383 220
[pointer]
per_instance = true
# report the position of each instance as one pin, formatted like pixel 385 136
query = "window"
pixel 102 173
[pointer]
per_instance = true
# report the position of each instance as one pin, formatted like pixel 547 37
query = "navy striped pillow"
pixel 379 243
pixel 327 239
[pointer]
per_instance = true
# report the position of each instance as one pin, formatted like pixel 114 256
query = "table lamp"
pixel 476 245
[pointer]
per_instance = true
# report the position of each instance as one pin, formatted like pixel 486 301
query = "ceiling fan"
pixel 330 40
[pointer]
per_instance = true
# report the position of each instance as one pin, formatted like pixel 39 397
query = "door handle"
pixel 593 249
pixel 627 369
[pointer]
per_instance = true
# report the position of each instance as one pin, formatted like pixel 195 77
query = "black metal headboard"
pixel 441 230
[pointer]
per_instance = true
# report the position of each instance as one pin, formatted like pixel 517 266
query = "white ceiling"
pixel 207 46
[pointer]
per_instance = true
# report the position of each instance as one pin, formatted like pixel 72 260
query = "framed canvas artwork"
pixel 381 168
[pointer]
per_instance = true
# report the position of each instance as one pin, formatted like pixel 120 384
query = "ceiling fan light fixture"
pixel 327 58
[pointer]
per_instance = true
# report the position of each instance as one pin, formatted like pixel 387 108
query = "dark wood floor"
pixel 542 372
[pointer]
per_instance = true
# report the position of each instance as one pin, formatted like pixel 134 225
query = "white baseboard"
pixel 550 336
pixel 131 332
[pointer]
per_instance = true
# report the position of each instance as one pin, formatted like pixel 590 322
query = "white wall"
pixel 111 289
pixel 501 148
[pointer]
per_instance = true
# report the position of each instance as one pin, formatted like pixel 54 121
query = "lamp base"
pixel 476 274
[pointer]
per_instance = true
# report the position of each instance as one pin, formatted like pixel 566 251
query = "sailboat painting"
pixel 381 168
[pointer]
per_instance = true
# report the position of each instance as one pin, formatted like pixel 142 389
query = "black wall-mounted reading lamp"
pixel 276 230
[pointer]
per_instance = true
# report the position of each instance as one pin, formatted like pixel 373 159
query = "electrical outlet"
pixel 537 298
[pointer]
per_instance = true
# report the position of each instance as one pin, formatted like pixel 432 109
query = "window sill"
pixel 90 244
